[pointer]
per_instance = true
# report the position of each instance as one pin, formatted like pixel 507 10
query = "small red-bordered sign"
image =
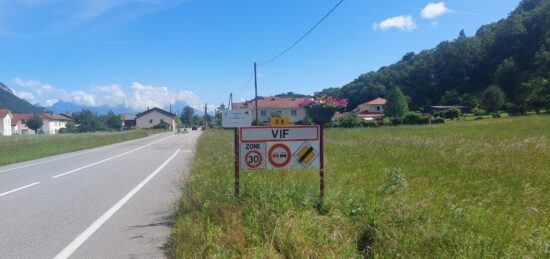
pixel 279 155
pixel 253 159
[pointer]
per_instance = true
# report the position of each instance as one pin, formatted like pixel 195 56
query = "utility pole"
pixel 256 92
pixel 230 106
pixel 205 114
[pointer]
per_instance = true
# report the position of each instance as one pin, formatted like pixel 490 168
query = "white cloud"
pixel 111 95
pixel 403 23
pixel 29 97
pixel 140 97
pixel 433 10
pixel 83 98
pixel 144 96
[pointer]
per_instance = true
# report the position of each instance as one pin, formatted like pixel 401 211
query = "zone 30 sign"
pixel 279 147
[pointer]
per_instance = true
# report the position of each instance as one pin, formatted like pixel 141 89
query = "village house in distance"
pixel 15 123
pixel 155 117
pixel 286 107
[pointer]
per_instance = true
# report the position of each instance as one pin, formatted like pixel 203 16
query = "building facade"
pixel 5 122
pixel 268 106
pixel 153 117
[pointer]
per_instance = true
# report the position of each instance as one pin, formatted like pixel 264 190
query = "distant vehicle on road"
pixel 194 128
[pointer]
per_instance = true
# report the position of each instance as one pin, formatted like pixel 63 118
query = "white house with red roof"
pixel 286 107
pixel 51 123
pixel 373 109
pixel 5 122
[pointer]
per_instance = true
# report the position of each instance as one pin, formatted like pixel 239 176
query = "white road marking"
pixel 69 156
pixel 75 244
pixel 43 162
pixel 107 159
pixel 18 189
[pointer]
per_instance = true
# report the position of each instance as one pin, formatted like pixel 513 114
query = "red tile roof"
pixel 377 101
pixel 270 102
pixel 45 116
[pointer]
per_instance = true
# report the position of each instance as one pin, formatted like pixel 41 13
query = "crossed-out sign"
pixel 279 147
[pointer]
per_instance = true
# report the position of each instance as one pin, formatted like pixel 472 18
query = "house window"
pixel 151 121
pixel 263 113
pixel 378 108
pixel 293 113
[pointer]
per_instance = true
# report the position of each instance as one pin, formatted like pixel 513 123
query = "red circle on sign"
pixel 270 155
pixel 250 162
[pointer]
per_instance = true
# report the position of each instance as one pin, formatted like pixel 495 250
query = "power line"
pixel 245 85
pixel 303 36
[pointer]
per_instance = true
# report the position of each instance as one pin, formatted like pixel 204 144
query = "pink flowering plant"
pixel 321 109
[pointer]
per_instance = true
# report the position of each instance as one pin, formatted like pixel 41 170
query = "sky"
pixel 140 53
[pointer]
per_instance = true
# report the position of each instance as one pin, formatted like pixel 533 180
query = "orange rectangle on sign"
pixel 279 121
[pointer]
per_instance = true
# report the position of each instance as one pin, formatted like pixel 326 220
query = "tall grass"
pixel 15 149
pixel 468 189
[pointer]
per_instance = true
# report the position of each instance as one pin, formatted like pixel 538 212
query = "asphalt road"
pixel 109 202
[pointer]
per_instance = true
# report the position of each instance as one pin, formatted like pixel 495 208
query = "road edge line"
pixel 76 243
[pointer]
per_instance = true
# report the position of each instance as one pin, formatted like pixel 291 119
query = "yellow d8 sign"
pixel 279 121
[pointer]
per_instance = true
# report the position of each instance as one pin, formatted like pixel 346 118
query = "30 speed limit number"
pixel 253 156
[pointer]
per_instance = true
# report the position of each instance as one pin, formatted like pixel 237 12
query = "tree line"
pixel 511 56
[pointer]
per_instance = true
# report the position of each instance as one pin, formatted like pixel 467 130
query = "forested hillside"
pixel 13 103
pixel 513 53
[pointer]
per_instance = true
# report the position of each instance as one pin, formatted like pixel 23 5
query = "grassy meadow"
pixel 465 189
pixel 20 148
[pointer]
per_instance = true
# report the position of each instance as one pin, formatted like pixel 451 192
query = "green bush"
pixel 437 114
pixel 411 118
pixel 451 114
pixel 515 109
pixel 396 121
pixel 478 118
pixel 370 124
pixel 305 121
pixel 350 120
pixel 438 120
pixel 478 111
pixel 496 115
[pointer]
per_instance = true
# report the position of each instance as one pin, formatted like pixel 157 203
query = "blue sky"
pixel 141 53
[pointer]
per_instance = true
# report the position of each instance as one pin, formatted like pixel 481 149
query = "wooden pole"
pixel 237 160
pixel 256 93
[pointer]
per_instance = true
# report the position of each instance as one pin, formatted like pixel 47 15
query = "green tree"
pixel 493 98
pixel 218 114
pixel 187 115
pixel 88 121
pixel 396 105
pixel 112 121
pixel 451 97
pixel 34 123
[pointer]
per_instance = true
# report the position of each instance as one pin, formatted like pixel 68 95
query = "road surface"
pixel 109 202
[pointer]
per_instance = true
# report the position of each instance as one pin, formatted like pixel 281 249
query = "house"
pixel 18 124
pixel 286 107
pixel 156 116
pixel 371 110
pixel 51 123
pixel 5 122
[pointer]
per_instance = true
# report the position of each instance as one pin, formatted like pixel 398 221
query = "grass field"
pixel 15 149
pixel 466 189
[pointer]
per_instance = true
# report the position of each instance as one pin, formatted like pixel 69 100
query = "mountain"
pixel 65 107
pixel 15 104
pixel 513 53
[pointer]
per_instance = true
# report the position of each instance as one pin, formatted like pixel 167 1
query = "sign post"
pixel 237 159
pixel 322 163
